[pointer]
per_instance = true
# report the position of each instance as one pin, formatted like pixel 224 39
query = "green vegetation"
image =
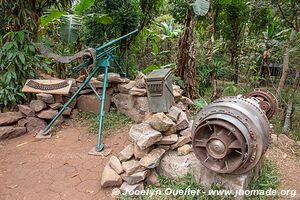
pixel 111 121
pixel 238 44
pixel 267 179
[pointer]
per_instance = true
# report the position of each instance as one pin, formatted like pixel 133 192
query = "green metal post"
pixel 100 145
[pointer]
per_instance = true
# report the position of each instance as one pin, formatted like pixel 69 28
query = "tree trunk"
pixel 186 68
pixel 288 115
pixel 285 68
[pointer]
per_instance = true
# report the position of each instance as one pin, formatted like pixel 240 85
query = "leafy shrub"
pixel 18 62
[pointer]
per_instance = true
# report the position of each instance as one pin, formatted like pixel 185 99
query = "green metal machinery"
pixel 102 58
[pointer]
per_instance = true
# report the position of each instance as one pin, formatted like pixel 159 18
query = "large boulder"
pixel 144 136
pixel 132 106
pixel 35 125
pixel 91 103
pixel 126 153
pixel 47 98
pixel 135 178
pixel 113 78
pixel 132 166
pixel 152 159
pixel 37 105
pixel 160 122
pixel 176 166
pixel 110 178
pixel 10 117
pixel 8 132
pixel 47 114
pixel 140 80
pixel 26 110
pixel 125 88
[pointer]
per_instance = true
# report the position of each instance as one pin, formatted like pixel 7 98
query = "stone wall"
pixel 128 96
pixel 162 145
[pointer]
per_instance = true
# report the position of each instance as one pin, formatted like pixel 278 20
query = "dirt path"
pixel 288 166
pixel 57 168
pixel 60 168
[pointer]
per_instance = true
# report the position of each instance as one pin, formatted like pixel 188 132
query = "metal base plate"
pixel 40 135
pixel 104 153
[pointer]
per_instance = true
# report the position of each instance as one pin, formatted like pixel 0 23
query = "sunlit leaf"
pixel 83 5
pixel 55 14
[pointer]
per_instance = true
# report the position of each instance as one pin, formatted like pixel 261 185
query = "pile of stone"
pixel 34 117
pixel 137 162
pixel 129 97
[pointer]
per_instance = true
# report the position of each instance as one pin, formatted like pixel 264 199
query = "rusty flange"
pixel 267 101
pixel 231 135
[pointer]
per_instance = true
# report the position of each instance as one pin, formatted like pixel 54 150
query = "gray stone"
pixel 188 131
pixel 26 110
pixel 58 98
pixel 175 166
pixel 137 92
pixel 165 147
pixel 144 136
pixel 110 178
pixel 182 140
pixel 10 117
pixel 182 106
pixel 96 84
pixel 37 105
pixel 160 122
pixel 126 153
pixel 140 80
pixel 132 106
pixel 67 111
pixel 131 190
pixel 34 125
pixel 91 103
pixel 85 91
pixel 139 153
pixel 284 141
pixel 59 121
pixel 47 114
pixel 124 88
pixel 169 139
pixel 174 113
pixel 135 178
pixel 184 150
pixel 22 122
pixel 171 130
pixel 115 164
pixel 47 98
pixel 152 179
pixel 81 79
pixel 186 101
pixel 56 106
pixel 182 122
pixel 152 159
pixel 177 92
pixel 72 104
pixel 132 166
pixel 74 114
pixel 113 78
pixel 8 132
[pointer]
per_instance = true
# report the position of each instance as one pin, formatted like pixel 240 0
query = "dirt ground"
pixel 57 168
pixel 60 168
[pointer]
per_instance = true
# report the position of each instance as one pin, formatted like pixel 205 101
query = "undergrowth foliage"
pixel 268 178
pixel 18 63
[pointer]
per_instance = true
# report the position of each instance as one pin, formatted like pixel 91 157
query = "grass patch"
pixel 111 120
pixel 268 179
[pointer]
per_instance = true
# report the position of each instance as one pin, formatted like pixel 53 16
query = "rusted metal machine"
pixel 231 134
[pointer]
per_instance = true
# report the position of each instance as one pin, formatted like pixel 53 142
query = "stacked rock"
pixel 34 117
pixel 137 162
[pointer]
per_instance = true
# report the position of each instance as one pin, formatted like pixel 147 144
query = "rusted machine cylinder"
pixel 231 134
